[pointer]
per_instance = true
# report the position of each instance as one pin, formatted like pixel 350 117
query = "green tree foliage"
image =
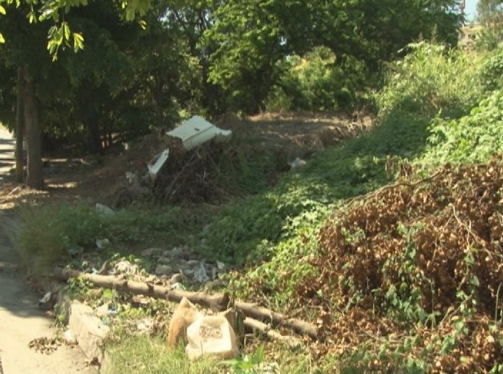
pixel 255 37
pixel 489 11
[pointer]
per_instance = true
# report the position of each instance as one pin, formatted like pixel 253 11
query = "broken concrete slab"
pixel 88 330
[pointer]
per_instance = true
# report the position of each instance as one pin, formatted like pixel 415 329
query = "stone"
pixel 151 252
pixel 163 270
pixel 176 278
pixel 88 329
pixel 126 267
pixel 200 274
pixel 164 260
pixel 69 337
pixel 103 209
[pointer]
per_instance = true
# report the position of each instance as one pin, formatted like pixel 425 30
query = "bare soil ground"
pixel 91 178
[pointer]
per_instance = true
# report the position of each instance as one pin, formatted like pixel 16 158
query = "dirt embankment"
pixel 95 178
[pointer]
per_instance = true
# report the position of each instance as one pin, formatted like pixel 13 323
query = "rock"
pixel 103 209
pixel 69 337
pixel 163 270
pixel 126 267
pixel 165 260
pixel 220 265
pixel 297 163
pixel 88 329
pixel 200 273
pixel 151 252
pixel 102 243
pixel 176 278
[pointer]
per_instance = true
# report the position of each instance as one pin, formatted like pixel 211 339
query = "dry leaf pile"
pixel 414 273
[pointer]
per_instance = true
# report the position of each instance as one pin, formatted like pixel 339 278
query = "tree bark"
pixel 35 178
pixel 19 128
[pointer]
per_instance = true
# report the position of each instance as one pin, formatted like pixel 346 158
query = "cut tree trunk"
pixel 19 128
pixel 216 302
pixel 35 177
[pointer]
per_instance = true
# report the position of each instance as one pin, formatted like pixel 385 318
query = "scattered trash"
pixel 102 243
pixel 44 344
pixel 102 311
pixel 103 209
pixel 297 163
pixel 150 252
pixel 126 267
pixel 69 338
pixel 163 270
pixel 200 273
pixel 157 163
pixel 211 335
pixel 47 301
pixel 144 326
pixel 176 278
pixel 193 133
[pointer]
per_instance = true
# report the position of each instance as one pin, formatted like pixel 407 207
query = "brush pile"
pixel 411 276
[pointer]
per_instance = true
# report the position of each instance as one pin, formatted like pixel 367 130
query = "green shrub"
pixel 46 235
pixel 428 80
pixel 471 139
pixel 491 75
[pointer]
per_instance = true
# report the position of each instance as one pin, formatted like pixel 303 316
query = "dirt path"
pixel 21 321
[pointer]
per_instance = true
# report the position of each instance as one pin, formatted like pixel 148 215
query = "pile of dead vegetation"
pixel 210 173
pixel 410 277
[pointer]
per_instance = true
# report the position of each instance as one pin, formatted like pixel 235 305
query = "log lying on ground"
pixel 216 302
pixel 270 333
pixel 263 314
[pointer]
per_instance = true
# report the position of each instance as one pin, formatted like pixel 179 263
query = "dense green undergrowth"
pixel 436 107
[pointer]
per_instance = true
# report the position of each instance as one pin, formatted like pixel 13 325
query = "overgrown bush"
pixel 54 234
pixel 319 81
pixel 430 79
pixel 48 234
pixel 472 139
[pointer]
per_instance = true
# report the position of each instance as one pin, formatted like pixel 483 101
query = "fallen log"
pixel 215 302
pixel 263 314
pixel 267 330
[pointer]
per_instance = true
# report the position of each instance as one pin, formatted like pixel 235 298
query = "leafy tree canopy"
pixel 60 34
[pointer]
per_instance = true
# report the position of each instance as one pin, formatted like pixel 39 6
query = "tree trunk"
pixel 94 134
pixel 35 178
pixel 19 128
pixel 216 302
